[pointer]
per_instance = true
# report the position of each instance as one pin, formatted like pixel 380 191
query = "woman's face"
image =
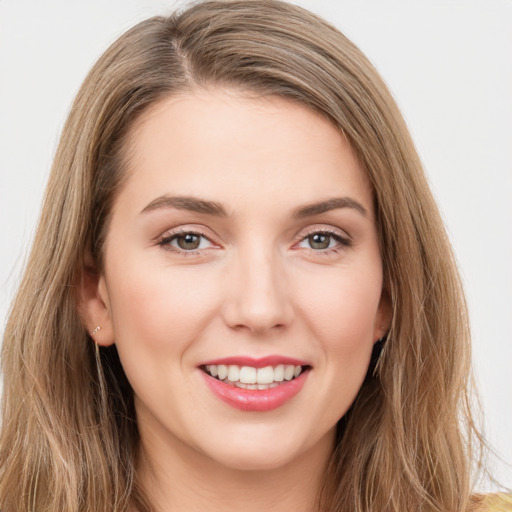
pixel 243 246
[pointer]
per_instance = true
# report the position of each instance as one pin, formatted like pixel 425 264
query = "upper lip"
pixel 256 362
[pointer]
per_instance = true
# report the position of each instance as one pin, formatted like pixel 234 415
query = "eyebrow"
pixel 194 204
pixel 325 206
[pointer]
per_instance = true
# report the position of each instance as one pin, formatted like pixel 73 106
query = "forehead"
pixel 224 145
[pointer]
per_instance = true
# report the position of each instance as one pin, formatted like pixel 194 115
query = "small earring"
pixel 95 330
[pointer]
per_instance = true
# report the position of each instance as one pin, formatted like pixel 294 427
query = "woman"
pixel 240 293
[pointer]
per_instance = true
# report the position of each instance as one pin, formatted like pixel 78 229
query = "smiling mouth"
pixel 249 377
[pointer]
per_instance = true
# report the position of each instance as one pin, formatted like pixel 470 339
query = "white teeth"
pixel 279 373
pixel 222 371
pixel 233 373
pixel 265 375
pixel 248 377
pixel 288 372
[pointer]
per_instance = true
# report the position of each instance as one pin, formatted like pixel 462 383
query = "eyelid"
pixel 343 238
pixel 328 230
pixel 170 234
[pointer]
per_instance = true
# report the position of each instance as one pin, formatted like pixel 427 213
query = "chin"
pixel 254 460
pixel 266 453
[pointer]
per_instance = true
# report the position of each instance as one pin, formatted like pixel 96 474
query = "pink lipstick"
pixel 255 384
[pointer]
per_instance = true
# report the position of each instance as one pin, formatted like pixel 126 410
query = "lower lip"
pixel 256 400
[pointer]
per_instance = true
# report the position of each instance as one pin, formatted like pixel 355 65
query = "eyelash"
pixel 165 242
pixel 342 240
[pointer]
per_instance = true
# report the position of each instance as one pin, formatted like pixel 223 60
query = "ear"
pixel 93 303
pixel 383 317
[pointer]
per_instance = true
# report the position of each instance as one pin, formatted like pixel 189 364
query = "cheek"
pixel 160 305
pixel 343 311
pixel 340 316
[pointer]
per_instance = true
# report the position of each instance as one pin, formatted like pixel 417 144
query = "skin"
pixel 256 285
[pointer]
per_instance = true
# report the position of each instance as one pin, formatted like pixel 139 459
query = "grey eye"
pixel 319 241
pixel 188 241
pixel 323 240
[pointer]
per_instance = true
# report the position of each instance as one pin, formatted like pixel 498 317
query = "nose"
pixel 258 298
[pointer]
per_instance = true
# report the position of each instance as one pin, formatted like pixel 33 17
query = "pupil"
pixel 319 241
pixel 188 241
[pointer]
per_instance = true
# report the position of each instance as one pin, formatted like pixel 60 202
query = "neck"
pixel 176 477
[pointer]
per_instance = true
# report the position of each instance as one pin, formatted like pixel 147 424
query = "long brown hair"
pixel 69 437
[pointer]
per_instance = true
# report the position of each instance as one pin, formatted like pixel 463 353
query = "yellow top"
pixel 497 503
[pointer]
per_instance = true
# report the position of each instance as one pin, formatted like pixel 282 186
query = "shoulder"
pixel 496 503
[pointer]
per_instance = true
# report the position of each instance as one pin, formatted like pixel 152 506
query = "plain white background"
pixel 448 64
